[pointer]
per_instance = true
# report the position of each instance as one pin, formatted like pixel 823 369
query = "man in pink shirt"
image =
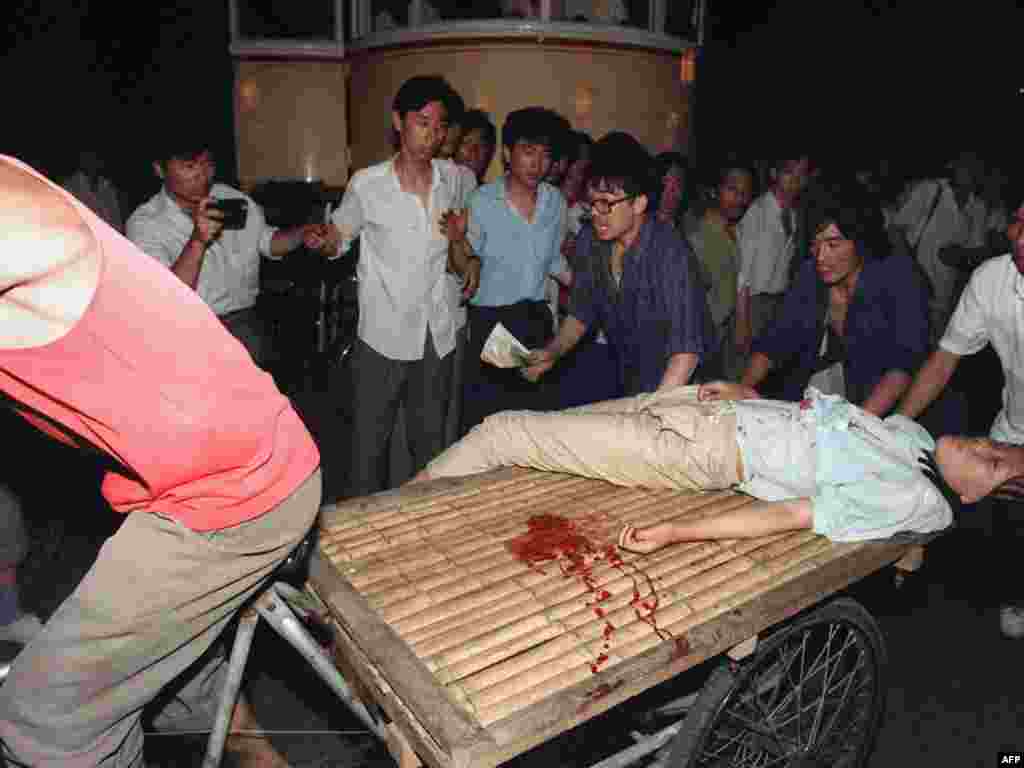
pixel 103 348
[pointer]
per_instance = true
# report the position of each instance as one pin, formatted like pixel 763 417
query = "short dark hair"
pixel 577 143
pixel 787 156
pixel 177 142
pixel 478 120
pixel 417 92
pixel 666 161
pixel 857 214
pixel 619 161
pixel 535 125
pixel 733 162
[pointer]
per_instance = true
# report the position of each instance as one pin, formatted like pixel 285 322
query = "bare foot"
pixel 644 540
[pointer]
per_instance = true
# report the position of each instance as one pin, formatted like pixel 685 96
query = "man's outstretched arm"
pixel 929 383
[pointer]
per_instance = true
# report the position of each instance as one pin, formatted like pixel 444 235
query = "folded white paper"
pixel 504 350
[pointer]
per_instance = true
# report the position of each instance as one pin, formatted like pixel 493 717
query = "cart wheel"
pixel 811 696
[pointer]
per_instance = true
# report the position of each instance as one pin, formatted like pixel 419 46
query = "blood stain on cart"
pixel 571 546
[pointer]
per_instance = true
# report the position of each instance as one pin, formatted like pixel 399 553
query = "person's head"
pixel 186 166
pixel 734 190
pixel 1015 232
pixel 90 162
pixel 848 228
pixel 966 171
pixel 976 467
pixel 670 168
pixel 479 139
pixel 529 137
pixel 453 136
pixel 578 150
pixel 420 113
pixel 620 184
pixel 520 9
pixel 789 175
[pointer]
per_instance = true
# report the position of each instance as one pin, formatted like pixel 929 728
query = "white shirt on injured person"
pixel 404 289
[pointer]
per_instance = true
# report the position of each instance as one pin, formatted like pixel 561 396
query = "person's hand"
pixel 471 279
pixel 454 224
pixel 323 238
pixel 725 390
pixel 645 540
pixel 539 362
pixel 208 222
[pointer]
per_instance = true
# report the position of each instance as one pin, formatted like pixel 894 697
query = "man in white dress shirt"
pixel 767 241
pixel 990 311
pixel 180 228
pixel 409 304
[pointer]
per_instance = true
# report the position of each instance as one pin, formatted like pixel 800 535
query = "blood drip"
pixel 553 538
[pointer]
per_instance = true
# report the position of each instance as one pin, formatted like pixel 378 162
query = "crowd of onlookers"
pixel 618 270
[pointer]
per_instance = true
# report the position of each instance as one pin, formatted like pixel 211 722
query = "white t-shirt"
pixel 991 311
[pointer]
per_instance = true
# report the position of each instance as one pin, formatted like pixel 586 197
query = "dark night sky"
pixel 852 78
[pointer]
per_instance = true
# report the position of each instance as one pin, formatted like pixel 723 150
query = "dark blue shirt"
pixel 886 327
pixel 658 311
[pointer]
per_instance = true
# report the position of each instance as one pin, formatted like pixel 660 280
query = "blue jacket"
pixel 886 327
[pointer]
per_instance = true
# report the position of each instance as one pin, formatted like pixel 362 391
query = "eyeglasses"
pixel 604 207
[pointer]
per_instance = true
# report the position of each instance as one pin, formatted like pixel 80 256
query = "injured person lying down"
pixel 821 463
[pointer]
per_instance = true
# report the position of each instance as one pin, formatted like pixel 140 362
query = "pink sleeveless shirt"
pixel 150 376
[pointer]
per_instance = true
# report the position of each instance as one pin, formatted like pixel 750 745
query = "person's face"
pixel 622 215
pixel 734 195
pixel 671 193
pixel 529 163
pixel 474 152
pixel 422 131
pixel 975 466
pixel 575 174
pixel 793 177
pixel 835 257
pixel 557 171
pixel 1016 234
pixel 450 145
pixel 188 179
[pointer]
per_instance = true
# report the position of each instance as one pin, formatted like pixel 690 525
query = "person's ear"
pixel 640 203
pixel 158 169
pixel 396 122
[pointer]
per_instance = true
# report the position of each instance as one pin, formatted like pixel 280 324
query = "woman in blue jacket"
pixel 854 322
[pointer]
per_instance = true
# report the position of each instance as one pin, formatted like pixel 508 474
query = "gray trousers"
pixel 147 612
pixel 380 386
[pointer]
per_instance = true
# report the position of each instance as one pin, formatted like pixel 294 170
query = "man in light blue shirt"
pixel 516 227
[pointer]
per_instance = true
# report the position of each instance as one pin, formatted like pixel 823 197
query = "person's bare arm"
pixel 41 233
pixel 757 371
pixel 744 329
pixel 542 360
pixel 680 368
pixel 929 383
pixel 750 521
pixel 206 228
pixel 886 393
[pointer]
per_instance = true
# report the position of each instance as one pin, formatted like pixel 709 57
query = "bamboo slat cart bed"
pixel 477 656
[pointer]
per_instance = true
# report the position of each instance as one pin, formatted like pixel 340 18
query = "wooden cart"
pixel 476 654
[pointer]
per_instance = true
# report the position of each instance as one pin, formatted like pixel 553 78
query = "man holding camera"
pixel 211 236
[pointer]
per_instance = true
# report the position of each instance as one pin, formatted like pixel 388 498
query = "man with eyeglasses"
pixel 633 278
pixel 182 228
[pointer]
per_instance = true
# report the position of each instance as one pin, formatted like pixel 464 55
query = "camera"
pixel 234 209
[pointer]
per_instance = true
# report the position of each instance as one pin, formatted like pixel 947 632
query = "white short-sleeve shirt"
pixel 404 289
pixel 765 248
pixel 991 311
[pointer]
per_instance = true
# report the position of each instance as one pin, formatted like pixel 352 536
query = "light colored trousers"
pixel 148 610
pixel 665 439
